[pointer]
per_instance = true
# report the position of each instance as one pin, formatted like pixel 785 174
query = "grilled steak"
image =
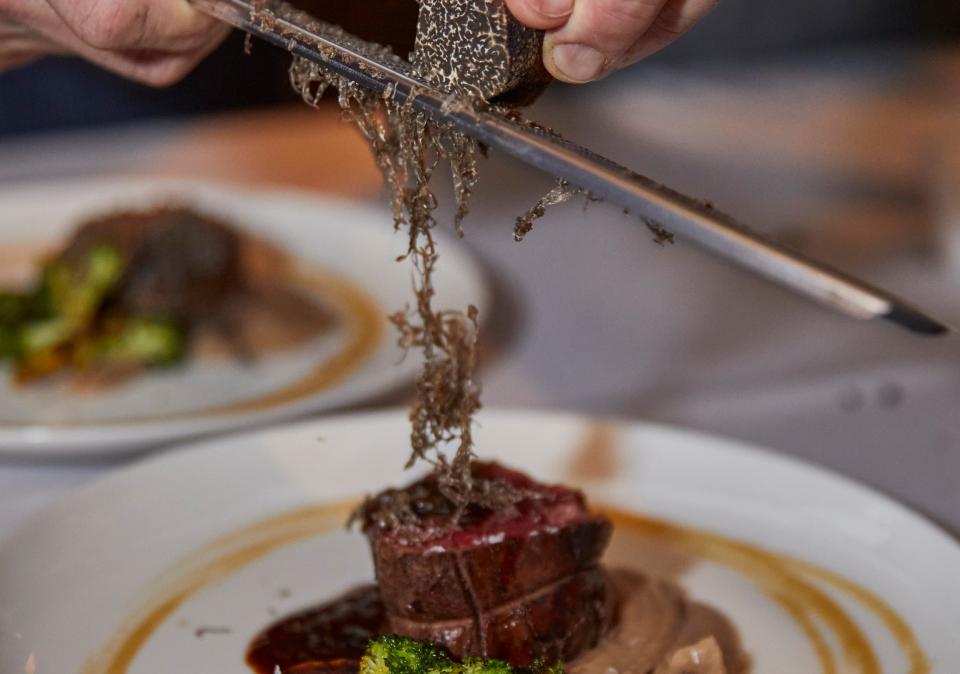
pixel 517 583
pixel 180 264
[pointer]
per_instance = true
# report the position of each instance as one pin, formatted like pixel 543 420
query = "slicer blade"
pixel 388 75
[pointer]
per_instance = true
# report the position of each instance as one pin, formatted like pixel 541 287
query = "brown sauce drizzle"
pixel 656 619
pixel 797 586
pixel 329 637
pixel 791 583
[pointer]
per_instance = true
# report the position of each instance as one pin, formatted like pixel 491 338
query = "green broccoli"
pixel 139 340
pixel 44 335
pixel 63 307
pixel 11 308
pixel 400 655
pixel 9 343
pixel 77 295
pixel 65 321
pixel 69 301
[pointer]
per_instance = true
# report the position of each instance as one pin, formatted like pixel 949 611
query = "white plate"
pixel 353 242
pixel 116 577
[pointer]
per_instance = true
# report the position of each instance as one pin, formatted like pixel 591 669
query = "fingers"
pixel 159 48
pixel 152 67
pixel 158 69
pixel 168 25
pixel 600 36
pixel 541 14
pixel 596 37
pixel 20 45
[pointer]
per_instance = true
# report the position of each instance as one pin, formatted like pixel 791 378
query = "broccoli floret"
pixel 400 655
pixel 43 335
pixel 9 343
pixel 72 300
pixel 62 322
pixel 141 340
pixel 77 295
pixel 11 308
pixel 480 666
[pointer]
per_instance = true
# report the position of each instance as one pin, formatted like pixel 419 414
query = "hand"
pixel 156 42
pixel 589 39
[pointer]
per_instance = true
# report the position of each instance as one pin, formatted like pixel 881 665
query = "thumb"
pixel 597 36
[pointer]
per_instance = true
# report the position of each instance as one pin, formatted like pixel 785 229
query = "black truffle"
pixel 477 48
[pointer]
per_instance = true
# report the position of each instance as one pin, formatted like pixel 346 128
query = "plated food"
pixel 519 582
pixel 131 290
pixel 480 568
pixel 301 255
pixel 816 574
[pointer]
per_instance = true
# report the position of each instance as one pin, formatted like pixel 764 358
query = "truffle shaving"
pixel 409 148
pixel 561 193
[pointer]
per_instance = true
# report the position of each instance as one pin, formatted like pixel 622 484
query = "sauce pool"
pixel 330 638
pixel 656 619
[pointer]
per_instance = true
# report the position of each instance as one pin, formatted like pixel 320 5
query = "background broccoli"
pixel 400 655
pixel 62 323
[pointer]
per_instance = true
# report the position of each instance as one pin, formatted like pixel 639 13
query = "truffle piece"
pixel 477 48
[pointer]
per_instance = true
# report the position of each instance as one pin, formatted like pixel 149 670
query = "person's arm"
pixel 156 42
pixel 589 39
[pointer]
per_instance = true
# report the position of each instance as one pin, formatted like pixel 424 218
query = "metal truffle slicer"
pixel 509 71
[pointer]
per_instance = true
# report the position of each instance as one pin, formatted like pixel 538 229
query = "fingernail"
pixel 578 62
pixel 553 9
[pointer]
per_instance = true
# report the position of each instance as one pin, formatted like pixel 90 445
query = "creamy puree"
pixel 660 630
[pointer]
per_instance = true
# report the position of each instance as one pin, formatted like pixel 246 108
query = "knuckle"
pixel 543 8
pixel 534 14
pixel 626 14
pixel 670 29
pixel 111 24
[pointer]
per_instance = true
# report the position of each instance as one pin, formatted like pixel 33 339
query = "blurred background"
pixel 834 126
pixel 63 93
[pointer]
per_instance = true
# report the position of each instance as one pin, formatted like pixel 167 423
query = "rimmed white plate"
pixel 817 573
pixel 353 246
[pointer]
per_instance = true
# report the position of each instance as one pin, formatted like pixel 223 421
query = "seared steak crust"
pixel 515 585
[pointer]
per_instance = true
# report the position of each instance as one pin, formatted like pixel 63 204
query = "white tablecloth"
pixel 844 155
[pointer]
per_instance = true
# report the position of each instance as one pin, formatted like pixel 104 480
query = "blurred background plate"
pixel 229 535
pixel 351 246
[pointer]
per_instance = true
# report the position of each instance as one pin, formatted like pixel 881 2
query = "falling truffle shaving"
pixel 409 147
pixel 561 193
